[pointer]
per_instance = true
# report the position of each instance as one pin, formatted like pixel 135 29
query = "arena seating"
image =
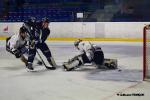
pixel 40 9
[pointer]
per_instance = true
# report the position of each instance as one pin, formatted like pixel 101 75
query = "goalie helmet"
pixel 76 43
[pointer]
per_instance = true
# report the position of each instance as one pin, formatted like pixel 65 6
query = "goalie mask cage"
pixel 146 53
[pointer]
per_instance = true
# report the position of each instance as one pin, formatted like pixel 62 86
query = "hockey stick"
pixel 42 59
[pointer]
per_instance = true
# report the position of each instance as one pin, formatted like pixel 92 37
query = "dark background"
pixel 66 10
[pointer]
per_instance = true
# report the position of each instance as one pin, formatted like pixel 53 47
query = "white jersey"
pixel 16 41
pixel 86 47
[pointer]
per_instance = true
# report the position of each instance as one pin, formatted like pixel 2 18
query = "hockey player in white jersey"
pixel 16 45
pixel 89 53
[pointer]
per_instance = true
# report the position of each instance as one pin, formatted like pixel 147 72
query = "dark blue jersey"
pixel 37 32
pixel 45 34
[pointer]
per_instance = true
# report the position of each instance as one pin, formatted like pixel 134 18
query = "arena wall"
pixel 89 30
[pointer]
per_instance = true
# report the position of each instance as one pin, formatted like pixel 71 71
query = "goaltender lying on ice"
pixel 89 53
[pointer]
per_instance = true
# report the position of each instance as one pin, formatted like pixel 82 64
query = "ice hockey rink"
pixel 87 83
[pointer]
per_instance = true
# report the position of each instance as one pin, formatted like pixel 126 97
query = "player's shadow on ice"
pixel 90 69
pixel 125 75
pixel 18 67
pixel 21 70
pixel 36 72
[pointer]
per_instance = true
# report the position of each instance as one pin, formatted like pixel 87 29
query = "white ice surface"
pixel 86 83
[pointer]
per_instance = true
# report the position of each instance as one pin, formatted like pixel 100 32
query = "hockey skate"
pixel 29 67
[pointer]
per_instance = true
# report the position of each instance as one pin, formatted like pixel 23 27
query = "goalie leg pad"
pixel 111 63
pixel 73 63
pixel 71 66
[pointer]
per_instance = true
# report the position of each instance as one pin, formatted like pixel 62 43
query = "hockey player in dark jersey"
pixel 39 31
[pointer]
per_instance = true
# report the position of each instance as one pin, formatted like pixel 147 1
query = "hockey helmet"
pixel 31 21
pixel 45 19
pixel 22 29
pixel 76 43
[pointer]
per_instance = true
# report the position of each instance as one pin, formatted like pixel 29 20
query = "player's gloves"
pixel 17 53
pixel 34 43
pixel 40 41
